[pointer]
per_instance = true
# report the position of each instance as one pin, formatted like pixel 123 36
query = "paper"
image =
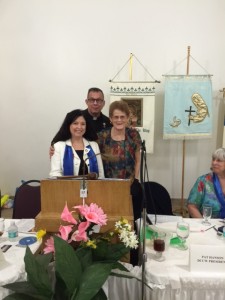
pixel 25 225
pixel 3 262
pixel 164 218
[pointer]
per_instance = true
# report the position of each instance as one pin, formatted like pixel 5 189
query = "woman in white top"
pixel 76 152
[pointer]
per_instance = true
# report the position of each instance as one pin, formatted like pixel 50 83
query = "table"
pixel 14 268
pixel 171 279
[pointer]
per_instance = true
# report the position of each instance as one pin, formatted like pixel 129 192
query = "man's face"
pixel 95 103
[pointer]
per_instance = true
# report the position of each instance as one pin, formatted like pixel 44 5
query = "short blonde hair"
pixel 219 154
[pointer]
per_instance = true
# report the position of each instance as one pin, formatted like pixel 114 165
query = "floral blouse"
pixel 119 156
pixel 203 193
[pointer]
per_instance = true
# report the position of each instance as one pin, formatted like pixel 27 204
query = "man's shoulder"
pixel 86 113
pixel 104 116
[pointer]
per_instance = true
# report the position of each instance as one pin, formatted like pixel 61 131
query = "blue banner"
pixel 188 107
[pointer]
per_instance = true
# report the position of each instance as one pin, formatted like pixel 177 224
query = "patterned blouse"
pixel 119 156
pixel 203 193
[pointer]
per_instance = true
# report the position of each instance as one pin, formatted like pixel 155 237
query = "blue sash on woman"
pixel 219 195
pixel 93 163
pixel 68 161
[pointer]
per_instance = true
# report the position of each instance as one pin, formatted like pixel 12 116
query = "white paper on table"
pixel 3 262
pixel 25 225
pixel 195 226
pixel 164 218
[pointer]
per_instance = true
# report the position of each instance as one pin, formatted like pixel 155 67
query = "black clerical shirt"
pixel 98 123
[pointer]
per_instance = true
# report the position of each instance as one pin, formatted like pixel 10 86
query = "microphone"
pixel 91 176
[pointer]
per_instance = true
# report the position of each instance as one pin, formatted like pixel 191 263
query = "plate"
pixel 28 240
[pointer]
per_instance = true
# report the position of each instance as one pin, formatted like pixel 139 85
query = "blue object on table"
pixel 28 240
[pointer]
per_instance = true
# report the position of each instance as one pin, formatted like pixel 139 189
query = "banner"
pixel 140 97
pixel 187 107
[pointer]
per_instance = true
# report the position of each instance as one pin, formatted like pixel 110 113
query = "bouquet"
pixel 77 260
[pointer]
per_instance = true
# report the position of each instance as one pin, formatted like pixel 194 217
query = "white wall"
pixel 52 51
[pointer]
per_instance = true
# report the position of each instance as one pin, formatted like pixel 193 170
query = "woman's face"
pixel 218 166
pixel 78 127
pixel 119 119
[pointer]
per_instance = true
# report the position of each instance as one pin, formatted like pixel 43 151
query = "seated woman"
pixel 75 151
pixel 209 189
pixel 120 148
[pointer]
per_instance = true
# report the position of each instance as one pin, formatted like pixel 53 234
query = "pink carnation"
pixel 93 213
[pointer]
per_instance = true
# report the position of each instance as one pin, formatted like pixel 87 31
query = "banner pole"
pixel 183 150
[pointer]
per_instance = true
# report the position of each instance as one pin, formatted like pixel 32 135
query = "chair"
pixel 27 201
pixel 157 199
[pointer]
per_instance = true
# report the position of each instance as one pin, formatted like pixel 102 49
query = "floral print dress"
pixel 203 193
pixel 119 156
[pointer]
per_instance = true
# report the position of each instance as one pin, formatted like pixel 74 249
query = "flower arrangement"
pixel 78 273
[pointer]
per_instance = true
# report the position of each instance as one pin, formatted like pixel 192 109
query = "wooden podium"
pixel 113 196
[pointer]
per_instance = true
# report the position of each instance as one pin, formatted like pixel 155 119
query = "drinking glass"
pixel 207 213
pixel 183 233
pixel 159 245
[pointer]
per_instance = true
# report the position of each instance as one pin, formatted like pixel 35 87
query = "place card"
pixel 207 257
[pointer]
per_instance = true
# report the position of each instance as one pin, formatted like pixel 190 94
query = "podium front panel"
pixel 113 196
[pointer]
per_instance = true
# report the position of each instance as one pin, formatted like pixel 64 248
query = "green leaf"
pixel 44 259
pixel 37 274
pixel 85 256
pixel 67 264
pixel 111 252
pixel 120 266
pixel 23 288
pixel 92 280
pixel 25 296
pixel 61 291
pixel 100 295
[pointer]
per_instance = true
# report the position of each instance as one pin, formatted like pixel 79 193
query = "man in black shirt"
pixel 95 103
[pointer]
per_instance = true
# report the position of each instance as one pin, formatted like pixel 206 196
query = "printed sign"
pixel 205 257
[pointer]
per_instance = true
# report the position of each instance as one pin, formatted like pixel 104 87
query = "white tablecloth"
pixel 13 269
pixel 171 279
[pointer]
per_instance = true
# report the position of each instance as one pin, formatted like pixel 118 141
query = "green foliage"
pixel 77 274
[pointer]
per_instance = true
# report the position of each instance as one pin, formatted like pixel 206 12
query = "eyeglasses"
pixel 116 118
pixel 98 101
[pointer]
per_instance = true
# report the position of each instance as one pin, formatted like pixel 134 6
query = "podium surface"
pixel 112 195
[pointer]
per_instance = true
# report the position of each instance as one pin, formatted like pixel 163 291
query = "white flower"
pixel 129 238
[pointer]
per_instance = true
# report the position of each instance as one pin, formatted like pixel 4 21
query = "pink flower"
pixel 93 213
pixel 65 231
pixel 80 234
pixel 49 246
pixel 67 215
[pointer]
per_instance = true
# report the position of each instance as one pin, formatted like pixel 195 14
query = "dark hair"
pixel 64 132
pixel 120 105
pixel 96 90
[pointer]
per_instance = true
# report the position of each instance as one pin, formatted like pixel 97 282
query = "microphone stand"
pixel 143 255
pixel 83 187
